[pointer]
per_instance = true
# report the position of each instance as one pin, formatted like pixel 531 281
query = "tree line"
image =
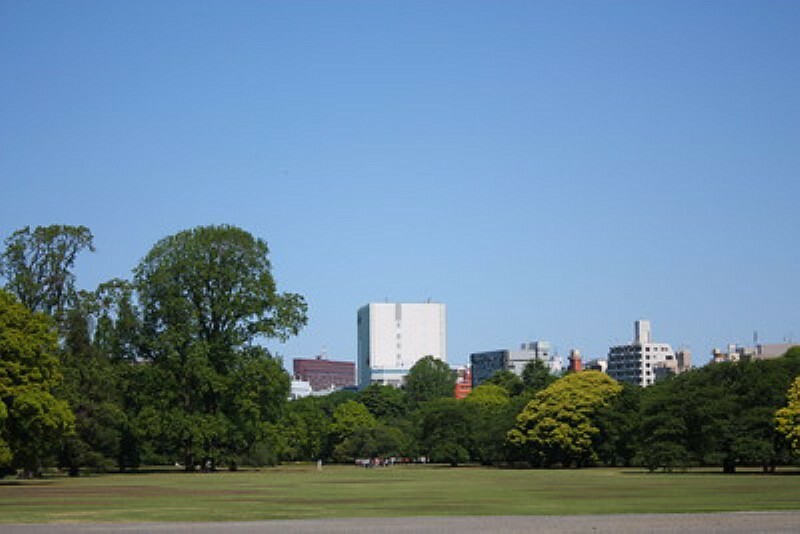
pixel 727 415
pixel 169 367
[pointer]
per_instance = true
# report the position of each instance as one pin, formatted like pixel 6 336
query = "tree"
pixel 430 378
pixel 350 430
pixel 32 419
pixel 119 321
pixel 446 431
pixel 37 265
pixel 488 396
pixel 492 416
pixel 384 402
pixel 536 376
pixel 378 441
pixel 787 418
pixel 665 437
pixel 617 442
pixel 91 386
pixel 303 430
pixel 207 295
pixel 558 426
pixel 349 417
pixel 118 338
pixel 508 381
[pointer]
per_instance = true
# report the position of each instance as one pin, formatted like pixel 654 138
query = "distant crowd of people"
pixel 385 462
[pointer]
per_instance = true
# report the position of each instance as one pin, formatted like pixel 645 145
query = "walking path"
pixel 736 522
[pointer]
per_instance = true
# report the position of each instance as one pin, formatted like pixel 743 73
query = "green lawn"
pixel 298 492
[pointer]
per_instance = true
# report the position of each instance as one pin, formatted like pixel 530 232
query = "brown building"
pixel 463 382
pixel 325 374
pixel 575 363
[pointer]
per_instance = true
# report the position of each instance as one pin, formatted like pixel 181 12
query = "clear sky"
pixel 549 170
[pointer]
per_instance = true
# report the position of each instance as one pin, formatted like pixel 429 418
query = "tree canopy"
pixel 37 264
pixel 536 375
pixel 206 295
pixel 430 378
pixel 32 419
pixel 557 426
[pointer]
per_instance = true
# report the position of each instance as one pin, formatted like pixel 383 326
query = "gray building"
pixel 485 364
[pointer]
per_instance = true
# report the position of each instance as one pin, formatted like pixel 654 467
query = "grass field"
pixel 298 492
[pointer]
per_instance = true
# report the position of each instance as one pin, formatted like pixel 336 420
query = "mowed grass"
pixel 302 492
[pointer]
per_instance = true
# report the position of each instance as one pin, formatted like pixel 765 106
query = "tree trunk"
pixel 729 466
pixel 188 464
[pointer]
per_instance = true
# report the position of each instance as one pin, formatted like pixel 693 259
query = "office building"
pixel 485 364
pixel 324 374
pixel 392 337
pixel 642 361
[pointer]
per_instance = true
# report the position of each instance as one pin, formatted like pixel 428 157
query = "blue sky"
pixel 549 170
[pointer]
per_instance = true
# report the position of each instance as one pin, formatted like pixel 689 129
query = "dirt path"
pixel 738 522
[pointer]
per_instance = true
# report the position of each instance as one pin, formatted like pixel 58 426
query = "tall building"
pixel 485 364
pixel 641 361
pixel 392 337
pixel 324 374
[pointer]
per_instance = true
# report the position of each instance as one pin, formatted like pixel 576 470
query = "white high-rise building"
pixel 642 360
pixel 392 337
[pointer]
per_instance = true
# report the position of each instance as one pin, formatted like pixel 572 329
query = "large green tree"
pixel 536 375
pixel 619 422
pixel 384 402
pixel 207 295
pixel 492 415
pixel 558 426
pixel 32 419
pixel 92 387
pixel 37 265
pixel 302 431
pixel 429 379
pixel 351 425
pixel 446 431
pixel 118 339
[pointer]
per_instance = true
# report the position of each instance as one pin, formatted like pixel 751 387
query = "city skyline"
pixel 549 170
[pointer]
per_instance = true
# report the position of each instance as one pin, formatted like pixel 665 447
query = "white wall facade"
pixel 392 337
pixel 639 362
pixel 534 350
